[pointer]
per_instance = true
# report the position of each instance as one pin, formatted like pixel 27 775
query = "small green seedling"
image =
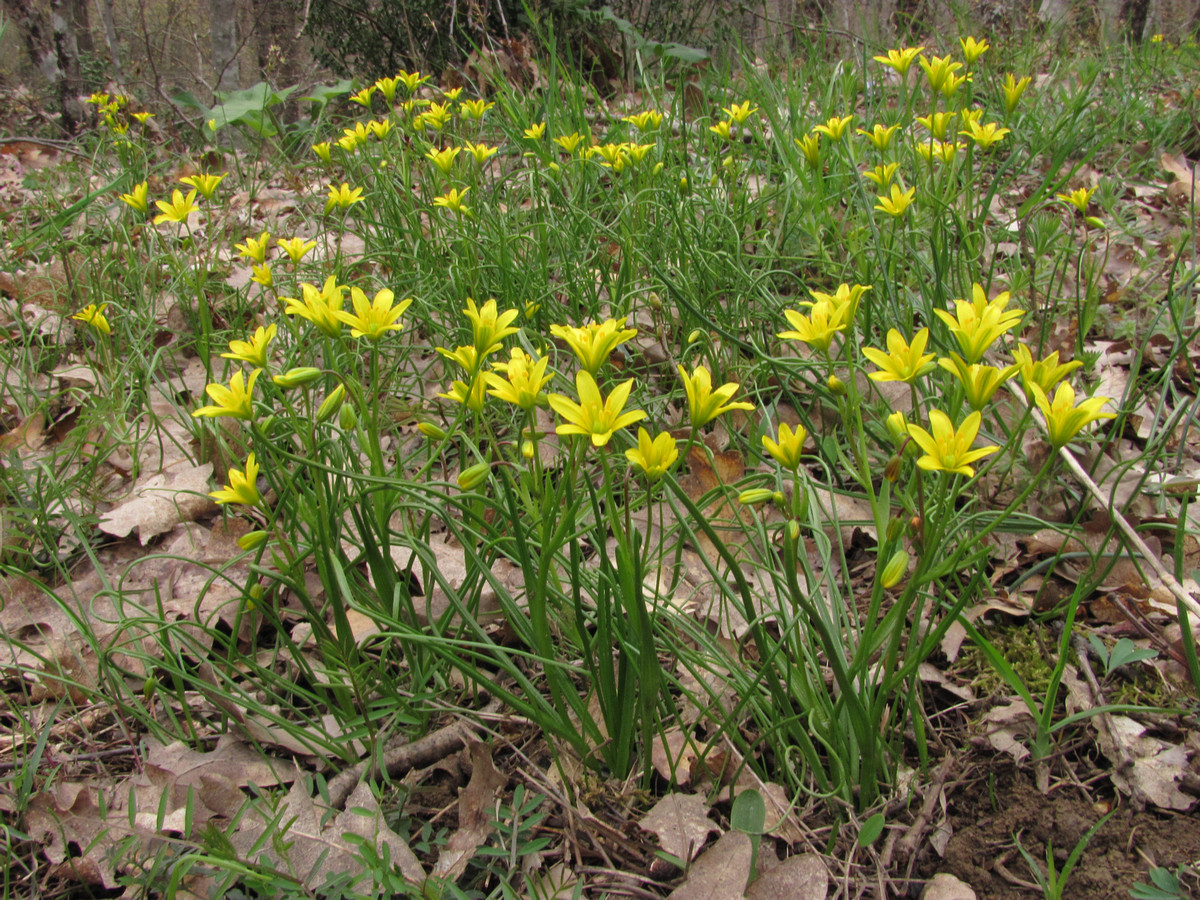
pixel 1122 653
pixel 1165 885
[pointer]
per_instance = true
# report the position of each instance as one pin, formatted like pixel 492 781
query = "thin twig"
pixel 1134 538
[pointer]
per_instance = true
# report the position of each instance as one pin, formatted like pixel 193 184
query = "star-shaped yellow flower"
pixel 343 197
pixel 948 450
pixel 178 209
pixel 705 403
pixel 489 326
pixel 319 306
pixel 978 324
pixel 205 184
pixel 254 249
pixel 901 60
pixel 522 380
pixel 235 401
pixel 1064 419
pixel 897 202
pixel 593 343
pixel 980 382
pixel 253 351
pixel 242 487
pixel 817 328
pixel 372 319
pixel 1045 373
pixel 789 449
pixel 594 416
pixel 138 197
pixel 903 361
pixel 94 315
pixel 654 457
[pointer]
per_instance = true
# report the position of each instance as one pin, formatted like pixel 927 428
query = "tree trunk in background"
pixel 68 76
pixel 223 29
pixel 280 62
pixel 110 37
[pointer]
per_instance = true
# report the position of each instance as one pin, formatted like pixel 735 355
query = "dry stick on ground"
pixel 397 760
pixel 1134 538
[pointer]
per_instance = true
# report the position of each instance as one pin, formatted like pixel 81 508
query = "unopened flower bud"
pixel 252 540
pixel 297 377
pixel 471 478
pixel 895 528
pixel 897 427
pixel 653 300
pixel 431 431
pixel 892 470
pixel 347 417
pixel 915 525
pixel 895 569
pixel 755 496
pixel 696 335
pixel 835 385
pixel 778 499
pixel 1094 222
pixel 331 404
pixel 527 449
pixel 793 530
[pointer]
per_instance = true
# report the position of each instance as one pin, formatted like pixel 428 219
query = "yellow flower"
pixel 810 149
pixel 948 450
pixel 882 175
pixel 937 124
pixel 646 120
pixel 205 184
pixel 481 152
pixel 443 159
pixel 984 135
pixel 489 326
pixel 979 382
pixel 253 351
pixel 739 112
pixel 453 201
pixel 1013 90
pixel 568 142
pixel 342 197
pixel 834 127
pixel 452 94
pixel 522 381
pixel 94 315
pixel 789 448
pixel 387 87
pixel 704 403
pixel 143 117
pixel 348 143
pixel 942 151
pixel 938 70
pixel 593 343
pixel 953 83
pixel 844 300
pixel 138 198
pixel 363 97
pixel 254 249
pixel 880 136
pixel 467 357
pixel 593 416
pixel 380 129
pixel 536 131
pixel 1064 419
pixel 903 361
pixel 411 80
pixel 1079 198
pixel 262 275
pixel 901 60
pixel 437 116
pixel 978 324
pixel 817 328
pixel 723 129
pixel 373 319
pixel 474 109
pixel 897 202
pixel 235 401
pixel 178 209
pixel 1045 373
pixel 296 248
pixel 653 457
pixel 359 134
pixel 322 150
pixel 242 487
pixel 973 49
pixel 319 307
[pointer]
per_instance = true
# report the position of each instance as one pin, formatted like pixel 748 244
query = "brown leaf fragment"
pixel 802 877
pixel 68 816
pixel 160 501
pixel 474 823
pixel 316 852
pixel 681 824
pixel 673 754
pixel 1006 726
pixel 720 873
